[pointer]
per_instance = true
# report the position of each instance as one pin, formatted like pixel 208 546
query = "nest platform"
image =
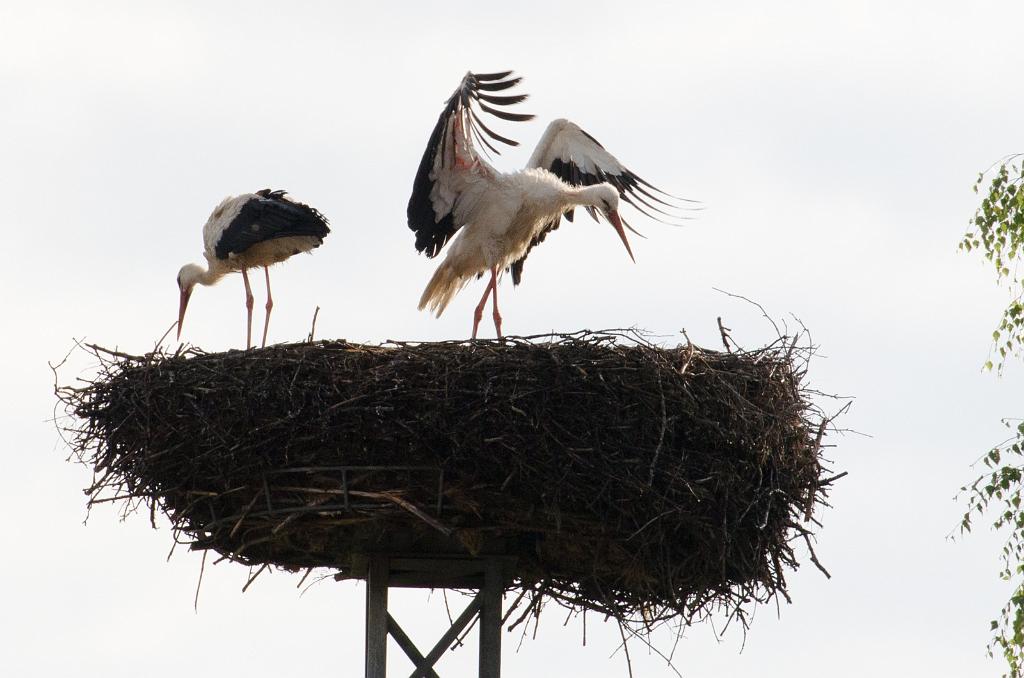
pixel 609 474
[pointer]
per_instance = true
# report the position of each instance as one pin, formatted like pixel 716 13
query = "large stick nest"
pixel 638 481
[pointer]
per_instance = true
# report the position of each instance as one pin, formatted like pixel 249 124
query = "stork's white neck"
pixel 193 274
pixel 211 275
pixel 588 195
pixel 593 196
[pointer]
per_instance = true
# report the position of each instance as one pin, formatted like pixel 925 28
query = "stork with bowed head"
pixel 503 216
pixel 248 231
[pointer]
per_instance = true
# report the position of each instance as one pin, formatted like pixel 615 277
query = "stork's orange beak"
pixel 613 217
pixel 182 305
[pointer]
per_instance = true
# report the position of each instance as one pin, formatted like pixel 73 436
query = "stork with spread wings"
pixel 501 216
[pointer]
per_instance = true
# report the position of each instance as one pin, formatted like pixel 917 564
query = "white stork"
pixel 250 230
pixel 503 216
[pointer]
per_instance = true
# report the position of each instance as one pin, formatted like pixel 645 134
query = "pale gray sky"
pixel 834 146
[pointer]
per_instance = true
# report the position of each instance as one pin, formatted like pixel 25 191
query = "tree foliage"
pixel 997 232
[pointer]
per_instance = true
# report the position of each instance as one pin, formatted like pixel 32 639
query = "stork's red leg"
pixel 248 310
pixel 494 289
pixel 270 305
pixel 479 312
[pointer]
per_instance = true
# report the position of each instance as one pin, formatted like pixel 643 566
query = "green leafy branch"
pixel 998 232
pixel 998 493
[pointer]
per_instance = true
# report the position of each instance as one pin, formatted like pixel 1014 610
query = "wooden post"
pixel 377 617
pixel 490 620
pixel 484 574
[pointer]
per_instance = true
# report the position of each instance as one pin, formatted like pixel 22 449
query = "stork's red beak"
pixel 613 217
pixel 183 304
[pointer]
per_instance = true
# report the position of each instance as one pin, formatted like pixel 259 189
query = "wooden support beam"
pixel 490 620
pixel 486 574
pixel 451 634
pixel 377 617
pixel 410 649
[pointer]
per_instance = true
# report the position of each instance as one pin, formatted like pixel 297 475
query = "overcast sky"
pixel 834 145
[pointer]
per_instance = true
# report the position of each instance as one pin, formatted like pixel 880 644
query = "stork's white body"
pixel 265 253
pixel 248 231
pixel 502 216
pixel 510 211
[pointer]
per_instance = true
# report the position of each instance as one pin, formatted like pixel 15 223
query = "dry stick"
pixel 814 557
pixel 245 512
pixel 832 479
pixel 253 578
pixel 447 531
pixel 534 601
pixel 266 493
pixel 536 621
pixel 313 583
pixel 308 570
pixel 202 568
pixel 447 609
pixel 512 607
pixel 689 353
pixel 724 331
pixel 312 329
pixel 661 436
pixel 57 392
pixel 679 635
pixel 280 526
pixel 625 646
pixel 458 642
pixel 112 352
pixel 650 647
pixel 651 522
pixel 750 301
pixel 809 508
pixel 161 340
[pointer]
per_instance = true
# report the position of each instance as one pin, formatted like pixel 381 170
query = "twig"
pixel 202 568
pixel 253 578
pixel 724 331
pixel 160 341
pixel 241 518
pixel 447 531
pixel 759 306
pixel 312 329
pixel 625 647
pixel 814 557
pixel 661 435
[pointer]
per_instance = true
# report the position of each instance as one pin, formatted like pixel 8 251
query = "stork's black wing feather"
pixel 266 216
pixel 633 190
pixel 578 159
pixel 434 229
